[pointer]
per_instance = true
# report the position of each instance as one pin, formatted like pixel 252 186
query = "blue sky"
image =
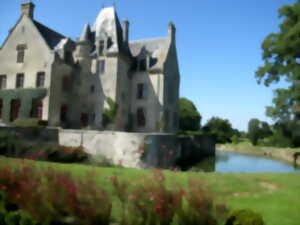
pixel 218 44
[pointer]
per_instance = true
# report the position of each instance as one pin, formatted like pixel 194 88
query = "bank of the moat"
pixel 282 154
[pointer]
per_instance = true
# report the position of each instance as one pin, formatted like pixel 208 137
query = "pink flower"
pixel 18 134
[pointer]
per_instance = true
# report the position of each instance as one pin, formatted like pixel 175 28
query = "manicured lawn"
pixel 275 196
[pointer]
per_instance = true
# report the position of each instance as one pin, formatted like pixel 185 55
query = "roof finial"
pixel 114 4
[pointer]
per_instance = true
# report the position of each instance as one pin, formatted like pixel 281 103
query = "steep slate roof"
pixel 51 37
pixel 158 48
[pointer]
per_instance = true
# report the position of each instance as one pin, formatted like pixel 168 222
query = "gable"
pixel 24 32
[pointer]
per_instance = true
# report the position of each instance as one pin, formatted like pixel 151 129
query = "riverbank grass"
pixel 275 196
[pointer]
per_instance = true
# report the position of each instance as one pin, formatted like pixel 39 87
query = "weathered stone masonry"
pixel 78 77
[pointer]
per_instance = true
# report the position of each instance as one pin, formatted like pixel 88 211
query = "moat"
pixel 225 162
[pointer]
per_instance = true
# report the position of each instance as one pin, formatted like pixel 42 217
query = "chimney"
pixel 126 31
pixel 172 31
pixel 27 9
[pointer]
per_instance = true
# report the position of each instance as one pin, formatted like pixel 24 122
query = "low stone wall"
pixel 133 150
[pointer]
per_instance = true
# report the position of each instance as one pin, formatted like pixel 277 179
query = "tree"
pixel 189 117
pixel 221 128
pixel 258 130
pixel 281 55
pixel 254 131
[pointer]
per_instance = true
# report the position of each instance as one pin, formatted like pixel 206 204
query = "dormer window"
pixel 142 65
pixel 68 56
pixel 101 47
pixel 21 53
pixel 109 43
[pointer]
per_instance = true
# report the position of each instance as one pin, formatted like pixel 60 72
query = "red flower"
pixel 18 196
pixel 18 134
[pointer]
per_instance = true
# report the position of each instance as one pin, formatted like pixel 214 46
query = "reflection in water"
pixel 235 162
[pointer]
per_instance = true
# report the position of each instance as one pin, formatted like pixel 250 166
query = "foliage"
pixel 258 130
pixel 60 198
pixel 220 128
pixel 189 117
pixel 12 144
pixel 244 217
pixel 28 122
pixel 109 115
pixel 281 60
pixel 25 95
pixel 152 203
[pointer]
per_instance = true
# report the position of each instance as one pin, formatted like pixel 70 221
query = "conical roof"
pixel 108 25
pixel 86 33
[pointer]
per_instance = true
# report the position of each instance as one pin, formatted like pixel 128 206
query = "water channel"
pixel 235 162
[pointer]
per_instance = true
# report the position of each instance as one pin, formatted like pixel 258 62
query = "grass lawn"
pixel 275 196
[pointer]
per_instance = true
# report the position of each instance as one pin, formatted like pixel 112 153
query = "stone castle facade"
pixel 101 81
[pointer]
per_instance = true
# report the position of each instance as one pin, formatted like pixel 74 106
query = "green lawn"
pixel 275 196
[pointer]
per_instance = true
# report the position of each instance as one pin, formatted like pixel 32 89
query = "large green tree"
pixel 189 117
pixel 221 128
pixel 258 130
pixel 281 55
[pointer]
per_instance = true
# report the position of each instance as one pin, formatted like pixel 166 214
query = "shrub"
pixel 60 199
pixel 109 115
pixel 152 203
pixel 12 218
pixel 29 122
pixel 100 160
pixel 244 217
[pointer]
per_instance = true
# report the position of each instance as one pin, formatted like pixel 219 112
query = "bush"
pixel 152 203
pixel 244 217
pixel 100 160
pixel 54 197
pixel 29 122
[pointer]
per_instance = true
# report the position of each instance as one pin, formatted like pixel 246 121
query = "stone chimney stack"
pixel 172 31
pixel 27 9
pixel 126 31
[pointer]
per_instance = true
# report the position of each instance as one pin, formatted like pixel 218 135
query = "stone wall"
pixel 133 150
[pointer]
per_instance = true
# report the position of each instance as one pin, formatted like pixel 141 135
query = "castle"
pixel 100 81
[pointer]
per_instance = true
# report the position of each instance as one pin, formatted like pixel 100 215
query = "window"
pixel 109 43
pixel 20 80
pixel 66 83
pixel 92 89
pixel 175 120
pixel 2 81
pixel 101 47
pixel 40 79
pixel 68 56
pixel 37 108
pixel 167 118
pixel 84 119
pixel 102 66
pixel 141 118
pixel 21 53
pixel 15 106
pixel 93 117
pixel 63 113
pixel 1 106
pixel 142 64
pixel 141 91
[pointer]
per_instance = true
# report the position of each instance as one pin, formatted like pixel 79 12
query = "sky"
pixel 218 44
